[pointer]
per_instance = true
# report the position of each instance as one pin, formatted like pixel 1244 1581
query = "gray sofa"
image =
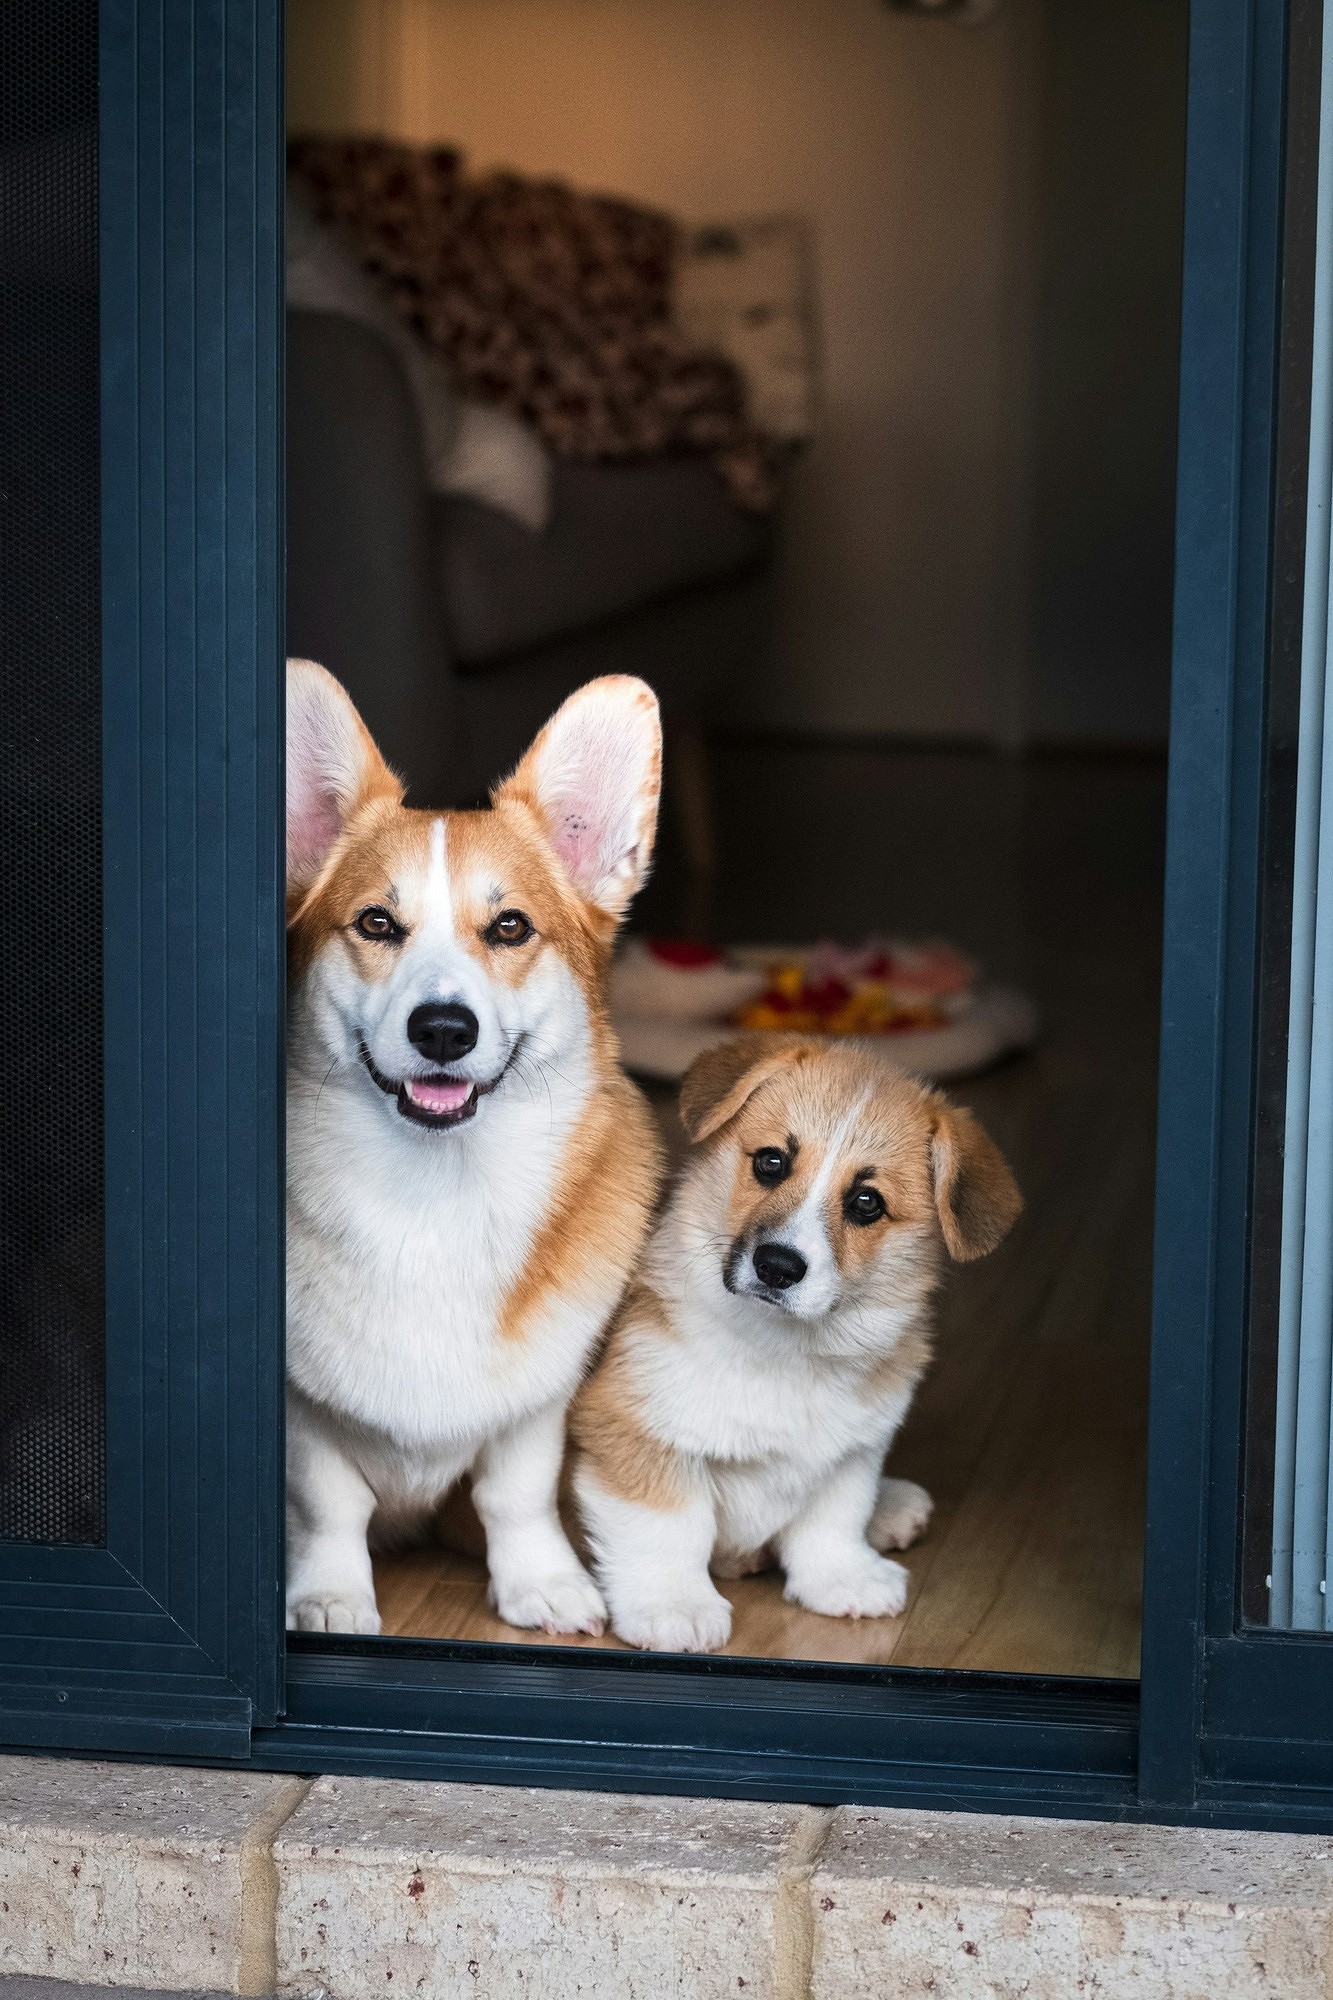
pixel 456 630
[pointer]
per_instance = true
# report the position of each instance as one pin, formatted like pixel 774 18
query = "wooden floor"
pixel 1030 1429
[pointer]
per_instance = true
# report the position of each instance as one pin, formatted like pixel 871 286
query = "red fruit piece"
pixel 683 953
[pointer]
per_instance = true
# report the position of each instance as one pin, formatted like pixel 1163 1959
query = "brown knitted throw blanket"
pixel 553 303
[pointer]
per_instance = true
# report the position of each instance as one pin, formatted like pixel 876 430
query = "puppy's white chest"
pixel 770 1427
pixel 725 1403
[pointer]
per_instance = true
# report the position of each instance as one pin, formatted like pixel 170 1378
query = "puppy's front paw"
pixel 901 1515
pixel 341 1609
pixel 687 1625
pixel 566 1601
pixel 869 1587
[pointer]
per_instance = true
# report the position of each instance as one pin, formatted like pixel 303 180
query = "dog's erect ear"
pixel 975 1193
pixel 720 1081
pixel 332 767
pixel 592 778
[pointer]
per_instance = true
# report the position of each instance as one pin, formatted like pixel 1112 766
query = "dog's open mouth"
pixel 441 1100
pixel 438 1102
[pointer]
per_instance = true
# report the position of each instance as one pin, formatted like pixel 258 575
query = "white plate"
pixel 998 1021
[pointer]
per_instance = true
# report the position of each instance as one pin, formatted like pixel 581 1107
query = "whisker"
pixel 335 1064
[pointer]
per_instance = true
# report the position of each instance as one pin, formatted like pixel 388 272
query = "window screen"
pixel 52 1424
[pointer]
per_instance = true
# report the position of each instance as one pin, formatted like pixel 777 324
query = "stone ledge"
pixel 976 1906
pixel 232 1883
pixel 485 1890
pixel 125 1875
pixel 23 1988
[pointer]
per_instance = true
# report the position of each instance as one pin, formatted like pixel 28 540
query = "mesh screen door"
pixel 141 845
pixel 52 1421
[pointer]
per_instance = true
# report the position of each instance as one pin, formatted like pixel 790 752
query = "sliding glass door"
pixel 140 968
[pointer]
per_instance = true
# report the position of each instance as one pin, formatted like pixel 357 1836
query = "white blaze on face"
pixel 439 895
pixel 432 965
pixel 806 1229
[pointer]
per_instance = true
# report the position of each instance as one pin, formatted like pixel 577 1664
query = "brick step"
pixel 214 1882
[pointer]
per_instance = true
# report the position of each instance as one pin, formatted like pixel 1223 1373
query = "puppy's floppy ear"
pixel 332 767
pixel 975 1193
pixel 592 778
pixel 720 1081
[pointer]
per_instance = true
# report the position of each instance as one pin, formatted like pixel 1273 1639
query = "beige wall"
pixel 905 143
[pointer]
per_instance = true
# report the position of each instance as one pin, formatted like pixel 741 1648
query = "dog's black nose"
pixel 778 1266
pixel 443 1030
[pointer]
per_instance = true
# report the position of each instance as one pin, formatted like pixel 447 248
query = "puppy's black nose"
pixel 443 1030
pixel 778 1266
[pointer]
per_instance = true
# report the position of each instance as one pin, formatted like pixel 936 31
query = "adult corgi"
pixel 770 1346
pixel 469 1173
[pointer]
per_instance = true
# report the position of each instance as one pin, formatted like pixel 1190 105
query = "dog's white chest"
pixel 400 1264
pixel 719 1399
pixel 810 1434
pixel 771 1428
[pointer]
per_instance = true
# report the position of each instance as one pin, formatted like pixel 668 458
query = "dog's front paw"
pixel 690 1625
pixel 568 1601
pixel 901 1515
pixel 344 1609
pixel 867 1588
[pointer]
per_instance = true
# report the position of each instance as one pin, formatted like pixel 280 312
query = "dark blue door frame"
pixel 1225 482
pixel 1235 1718
pixel 168 1641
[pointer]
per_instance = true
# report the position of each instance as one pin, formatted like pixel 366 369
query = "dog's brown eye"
pixel 770 1166
pixel 863 1205
pixel 379 926
pixel 510 927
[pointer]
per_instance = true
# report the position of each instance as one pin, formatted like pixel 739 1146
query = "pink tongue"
pixel 439 1096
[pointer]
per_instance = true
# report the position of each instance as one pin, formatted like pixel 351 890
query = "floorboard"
pixel 1030 1429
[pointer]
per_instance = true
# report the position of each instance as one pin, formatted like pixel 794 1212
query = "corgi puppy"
pixel 768 1349
pixel 469 1174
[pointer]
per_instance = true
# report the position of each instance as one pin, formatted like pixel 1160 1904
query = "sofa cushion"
pixel 469 448
pixel 620 536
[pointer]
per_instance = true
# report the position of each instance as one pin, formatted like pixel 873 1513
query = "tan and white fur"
pixel 767 1353
pixel 469 1173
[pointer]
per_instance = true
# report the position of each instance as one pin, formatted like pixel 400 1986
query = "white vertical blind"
pixel 1302 1493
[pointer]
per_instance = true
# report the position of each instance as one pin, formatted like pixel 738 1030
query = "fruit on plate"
pixel 880 988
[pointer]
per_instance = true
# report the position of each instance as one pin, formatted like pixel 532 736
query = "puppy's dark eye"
pixel 863 1205
pixel 510 927
pixel 770 1166
pixel 378 925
